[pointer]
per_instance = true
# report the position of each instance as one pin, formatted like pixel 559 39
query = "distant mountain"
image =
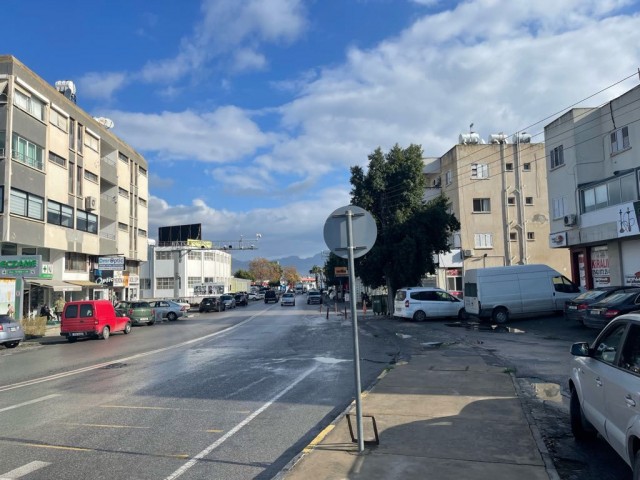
pixel 303 265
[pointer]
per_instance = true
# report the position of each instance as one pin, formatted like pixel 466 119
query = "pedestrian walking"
pixel 58 307
pixel 10 310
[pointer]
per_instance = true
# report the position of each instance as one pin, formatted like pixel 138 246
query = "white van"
pixel 500 293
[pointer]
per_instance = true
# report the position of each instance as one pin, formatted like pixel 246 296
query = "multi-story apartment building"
pixel 593 175
pixel 73 195
pixel 498 192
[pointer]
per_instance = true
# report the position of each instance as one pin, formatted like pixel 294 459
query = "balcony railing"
pixel 30 161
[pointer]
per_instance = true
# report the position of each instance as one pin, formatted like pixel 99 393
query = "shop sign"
pixel 600 267
pixel 557 240
pixel 103 277
pixel 14 266
pixel 134 280
pixel 627 219
pixel 111 263
pixel 199 243
pixel 453 272
pixel 341 271
pixel 46 272
pixel 118 279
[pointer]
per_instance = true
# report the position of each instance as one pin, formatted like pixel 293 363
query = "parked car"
pixel 420 303
pixel 183 302
pixel 605 388
pixel 314 297
pixel 576 308
pixel 241 299
pixel 168 309
pixel 288 298
pixel 228 300
pixel 91 318
pixel 599 314
pixel 256 296
pixel 11 332
pixel 138 312
pixel 211 304
pixel 270 296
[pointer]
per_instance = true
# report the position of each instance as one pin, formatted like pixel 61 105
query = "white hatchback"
pixel 605 388
pixel 420 303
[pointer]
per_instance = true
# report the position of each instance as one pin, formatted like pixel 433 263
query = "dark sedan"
pixel 211 304
pixel 599 314
pixel 576 308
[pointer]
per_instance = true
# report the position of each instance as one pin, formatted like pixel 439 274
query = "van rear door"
pixel 471 303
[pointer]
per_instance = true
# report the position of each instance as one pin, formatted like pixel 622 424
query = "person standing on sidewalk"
pixel 10 311
pixel 58 307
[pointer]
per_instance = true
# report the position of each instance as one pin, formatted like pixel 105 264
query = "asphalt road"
pixel 231 395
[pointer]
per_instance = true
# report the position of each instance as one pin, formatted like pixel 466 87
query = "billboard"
pixel 111 263
pixel 180 233
pixel 204 289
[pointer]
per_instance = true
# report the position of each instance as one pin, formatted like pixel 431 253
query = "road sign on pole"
pixel 350 232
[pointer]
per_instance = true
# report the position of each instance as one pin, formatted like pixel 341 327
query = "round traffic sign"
pixel 363 228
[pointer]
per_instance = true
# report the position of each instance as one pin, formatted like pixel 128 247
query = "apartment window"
pixel 59 214
pixel 57 159
pixel 72 134
pixel 123 193
pixel 58 120
pixel 90 176
pixel 123 226
pixel 531 236
pixel 620 140
pixel 479 170
pixel 31 105
pixel 481 205
pixel 528 200
pixel 558 205
pixel 164 255
pixel 142 202
pixel 483 240
pixel 613 192
pixel 209 256
pixel 79 181
pixel 80 143
pixel 193 281
pixel 511 200
pixel 123 158
pixel 75 261
pixel 86 222
pixel 556 157
pixel 26 204
pixel 142 233
pixel 142 171
pixel 194 256
pixel 92 142
pixel 164 283
pixel 71 174
pixel 27 152
pixel 526 167
pixel 448 177
pixel 508 167
pixel 513 236
pixel 145 283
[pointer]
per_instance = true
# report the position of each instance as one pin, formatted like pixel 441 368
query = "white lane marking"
pixel 57 376
pixel 24 470
pixel 35 400
pixel 237 428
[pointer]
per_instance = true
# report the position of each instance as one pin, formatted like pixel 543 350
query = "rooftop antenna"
pixel 471 128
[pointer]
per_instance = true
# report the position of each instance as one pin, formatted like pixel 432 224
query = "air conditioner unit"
pixel 467 253
pixel 90 203
pixel 570 220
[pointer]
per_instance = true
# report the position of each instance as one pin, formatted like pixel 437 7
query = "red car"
pixel 92 318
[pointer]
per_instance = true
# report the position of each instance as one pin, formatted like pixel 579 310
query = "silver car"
pixel 605 388
pixel 11 333
pixel 168 309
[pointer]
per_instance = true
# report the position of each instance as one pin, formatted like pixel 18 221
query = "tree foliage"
pixel 330 265
pixel 243 274
pixel 264 270
pixel 290 275
pixel 410 231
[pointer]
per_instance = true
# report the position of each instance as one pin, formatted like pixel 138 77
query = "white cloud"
pixel 101 85
pixel 247 59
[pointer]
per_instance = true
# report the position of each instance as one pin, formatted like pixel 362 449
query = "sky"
pixel 250 113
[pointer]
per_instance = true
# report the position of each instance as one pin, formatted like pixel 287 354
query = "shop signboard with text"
pixel 14 266
pixel 111 263
pixel 600 271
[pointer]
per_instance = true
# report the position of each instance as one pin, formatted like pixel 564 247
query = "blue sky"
pixel 250 112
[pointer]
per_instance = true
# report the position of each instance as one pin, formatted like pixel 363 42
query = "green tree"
pixel 410 231
pixel 264 270
pixel 330 265
pixel 290 275
pixel 318 272
pixel 243 274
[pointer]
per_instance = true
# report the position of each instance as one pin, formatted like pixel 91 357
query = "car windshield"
pixel 590 295
pixel 226 297
pixel 619 297
pixel 122 305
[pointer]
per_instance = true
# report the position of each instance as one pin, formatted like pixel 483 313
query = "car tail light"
pixel 611 313
pixel 406 304
pixel 184 308
pixel 1 327
pixel 583 306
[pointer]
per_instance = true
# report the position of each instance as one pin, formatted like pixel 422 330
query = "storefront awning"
pixel 86 283
pixel 57 285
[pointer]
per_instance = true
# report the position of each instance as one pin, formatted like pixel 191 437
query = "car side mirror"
pixel 580 349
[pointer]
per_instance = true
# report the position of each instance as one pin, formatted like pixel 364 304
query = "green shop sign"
pixel 14 266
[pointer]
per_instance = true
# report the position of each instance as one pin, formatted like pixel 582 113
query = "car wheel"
pixel 462 314
pixel 419 316
pixel 151 322
pixel 11 344
pixel 105 333
pixel 580 426
pixel 127 328
pixel 172 317
pixel 500 315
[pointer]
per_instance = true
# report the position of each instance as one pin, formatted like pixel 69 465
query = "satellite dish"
pixel 105 122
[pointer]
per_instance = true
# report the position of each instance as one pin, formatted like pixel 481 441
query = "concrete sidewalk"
pixel 444 415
